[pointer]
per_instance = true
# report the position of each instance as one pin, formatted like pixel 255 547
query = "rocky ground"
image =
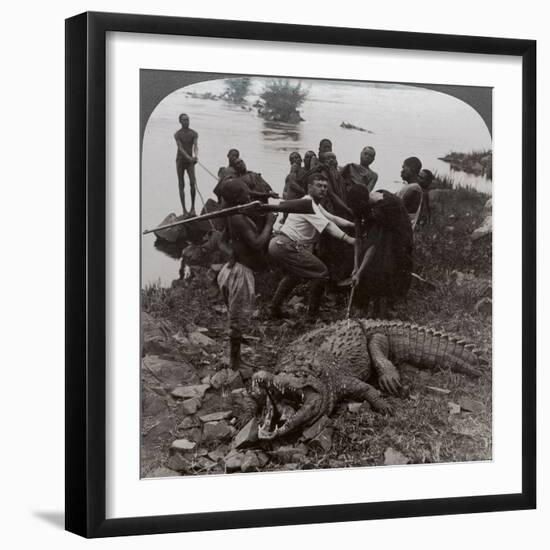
pixel 195 411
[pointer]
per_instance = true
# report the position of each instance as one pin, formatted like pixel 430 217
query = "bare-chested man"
pixel 411 192
pixel 236 278
pixel 187 141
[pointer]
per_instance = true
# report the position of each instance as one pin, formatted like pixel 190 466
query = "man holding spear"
pixel 236 278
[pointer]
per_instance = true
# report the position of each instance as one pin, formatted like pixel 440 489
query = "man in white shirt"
pixel 292 248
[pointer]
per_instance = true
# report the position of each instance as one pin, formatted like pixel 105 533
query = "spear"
pixel 296 206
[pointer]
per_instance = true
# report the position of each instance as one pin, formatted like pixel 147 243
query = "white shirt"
pixel 306 228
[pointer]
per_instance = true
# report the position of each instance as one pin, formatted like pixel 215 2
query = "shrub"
pixel 280 100
pixel 236 89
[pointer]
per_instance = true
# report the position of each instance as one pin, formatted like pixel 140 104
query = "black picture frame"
pixel 86 273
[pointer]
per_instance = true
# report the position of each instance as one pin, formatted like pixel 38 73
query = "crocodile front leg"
pixel 353 388
pixel 388 375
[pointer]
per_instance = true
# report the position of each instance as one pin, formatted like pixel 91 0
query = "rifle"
pixel 295 206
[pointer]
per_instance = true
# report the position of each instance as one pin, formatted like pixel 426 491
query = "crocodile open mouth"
pixel 287 405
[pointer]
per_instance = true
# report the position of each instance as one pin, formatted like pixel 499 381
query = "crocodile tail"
pixel 449 350
pixel 425 346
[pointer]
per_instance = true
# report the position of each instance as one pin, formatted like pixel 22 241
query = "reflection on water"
pixel 277 131
pixel 405 121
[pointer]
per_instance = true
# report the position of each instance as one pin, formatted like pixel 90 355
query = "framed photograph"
pixel 300 274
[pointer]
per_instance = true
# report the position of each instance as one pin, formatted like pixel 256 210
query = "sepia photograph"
pixel 316 274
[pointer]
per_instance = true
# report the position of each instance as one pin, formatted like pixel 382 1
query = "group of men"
pixel 323 204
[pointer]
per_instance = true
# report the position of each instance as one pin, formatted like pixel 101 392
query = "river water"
pixel 404 121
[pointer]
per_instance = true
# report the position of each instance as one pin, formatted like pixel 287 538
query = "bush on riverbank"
pixel 280 100
pixel 479 163
pixel 236 89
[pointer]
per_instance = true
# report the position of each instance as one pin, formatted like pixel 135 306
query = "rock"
pixel 206 380
pixel 194 434
pixel 469 405
pixel 247 436
pixel 199 339
pixel 486 228
pixel 218 453
pixel 233 461
pixel 314 429
pixel 488 207
pixel 168 372
pixel 216 268
pixel 172 234
pixel 155 335
pixel 152 404
pixel 323 440
pixel 227 378
pixel 163 472
pixel 289 453
pixel 292 466
pixel 454 408
pixel 188 422
pixel 182 339
pixel 250 462
pixel 191 406
pixel 216 431
pixel 162 430
pixel 179 463
pixel 484 306
pixel 393 457
pixel 188 392
pixel 182 445
pixel 262 458
pixel 213 417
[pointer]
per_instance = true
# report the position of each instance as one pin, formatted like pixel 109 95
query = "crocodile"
pixel 335 362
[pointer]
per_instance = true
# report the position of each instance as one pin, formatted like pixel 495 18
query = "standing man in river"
pixel 187 141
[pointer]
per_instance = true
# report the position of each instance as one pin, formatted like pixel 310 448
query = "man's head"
pixel 425 178
pixel 295 158
pixel 318 188
pixel 367 156
pixel 235 192
pixel 329 159
pixel 358 200
pixel 308 157
pixel 410 169
pixel 325 145
pixel 240 167
pixel 232 156
pixel 184 120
